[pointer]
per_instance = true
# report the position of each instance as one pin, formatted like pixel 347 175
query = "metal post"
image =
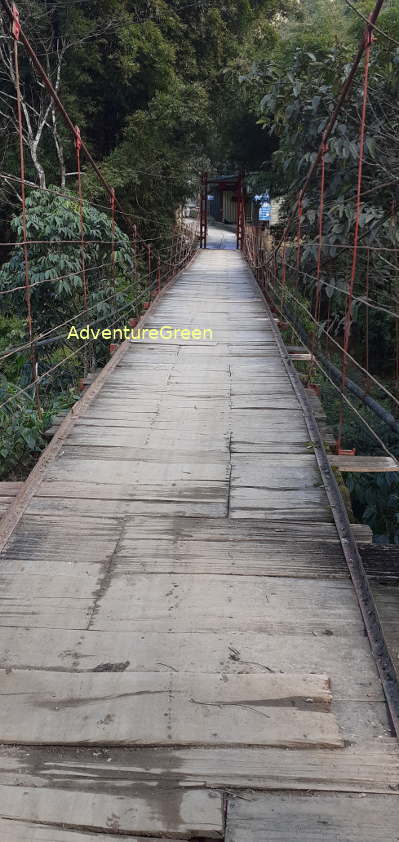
pixel 204 210
pixel 134 258
pixel 78 146
pixel 28 302
pixel 240 213
pixel 149 263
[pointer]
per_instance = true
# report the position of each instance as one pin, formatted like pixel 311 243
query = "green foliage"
pixel 22 428
pixel 50 219
pixel 375 497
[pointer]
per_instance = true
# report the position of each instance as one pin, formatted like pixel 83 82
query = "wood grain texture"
pixel 147 809
pixel 320 818
pixel 364 464
pixel 167 708
pixel 369 767
pixel 16 831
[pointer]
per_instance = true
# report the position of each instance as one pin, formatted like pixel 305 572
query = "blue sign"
pixel 265 212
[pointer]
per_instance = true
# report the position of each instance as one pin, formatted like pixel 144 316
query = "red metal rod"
pixel 319 251
pixel 78 144
pixel 348 315
pixel 28 301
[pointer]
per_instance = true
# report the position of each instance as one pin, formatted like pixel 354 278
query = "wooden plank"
pixel 136 474
pixel 74 650
pixel 386 597
pixel 16 831
pixel 144 454
pixel 364 464
pixel 167 709
pixel 321 818
pixel 243 558
pixel 187 528
pixel 10 489
pixel 4 503
pixel 372 766
pixel 143 811
pixel 72 498
pixel 181 603
pixel 301 504
pixel 381 561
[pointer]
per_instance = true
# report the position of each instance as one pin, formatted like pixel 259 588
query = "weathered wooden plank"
pixel 187 528
pixel 321 818
pixel 144 454
pixel 4 503
pixel 167 709
pixel 92 540
pixel 73 650
pixel 227 652
pixel 145 811
pixel 299 470
pixel 372 766
pixel 304 356
pixel 136 474
pixel 387 601
pixel 381 561
pixel 10 489
pixel 73 499
pixel 364 464
pixel 246 558
pixel 16 831
pixel 308 503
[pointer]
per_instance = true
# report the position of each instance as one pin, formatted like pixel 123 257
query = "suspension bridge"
pixel 192 644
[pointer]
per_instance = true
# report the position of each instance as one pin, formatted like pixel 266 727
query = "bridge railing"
pixel 338 297
pixel 73 269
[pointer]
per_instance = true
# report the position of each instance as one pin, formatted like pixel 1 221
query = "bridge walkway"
pixel 182 653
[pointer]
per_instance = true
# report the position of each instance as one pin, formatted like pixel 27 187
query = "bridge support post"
pixel 203 210
pixel 240 213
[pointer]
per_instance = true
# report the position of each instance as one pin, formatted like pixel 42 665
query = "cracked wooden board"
pixel 147 810
pixel 167 709
pixel 370 766
pixel 74 650
pixel 321 818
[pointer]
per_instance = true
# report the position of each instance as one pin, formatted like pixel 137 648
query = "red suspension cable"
pixel 16 32
pixel 348 315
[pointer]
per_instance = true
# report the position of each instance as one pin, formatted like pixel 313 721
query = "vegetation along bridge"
pixel 195 643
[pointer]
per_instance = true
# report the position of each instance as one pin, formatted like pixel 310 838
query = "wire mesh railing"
pixel 339 295
pixel 68 264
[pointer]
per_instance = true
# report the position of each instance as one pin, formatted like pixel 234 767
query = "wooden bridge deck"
pixel 178 626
